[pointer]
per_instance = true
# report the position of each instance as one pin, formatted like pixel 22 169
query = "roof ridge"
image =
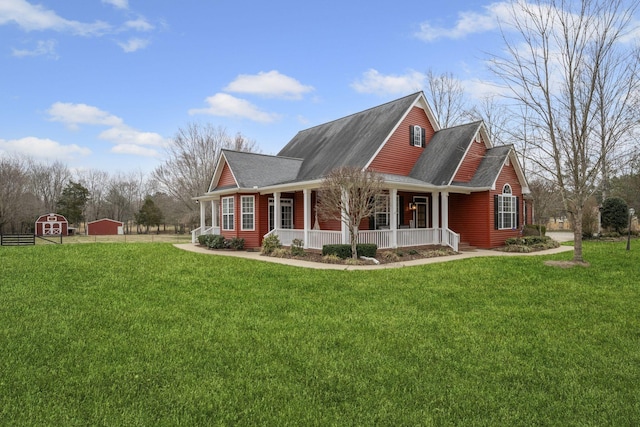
pixel 261 154
pixel 415 94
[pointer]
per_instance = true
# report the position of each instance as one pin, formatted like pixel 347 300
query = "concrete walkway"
pixel 322 266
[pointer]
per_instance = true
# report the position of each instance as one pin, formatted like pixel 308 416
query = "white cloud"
pixel 42 148
pixel 467 23
pixel 139 24
pixel 374 82
pixel 43 48
pixel 133 45
pixel 120 4
pixel 123 136
pixel 136 150
pixel 37 18
pixel 78 114
pixel 225 105
pixel 129 136
pixel 269 84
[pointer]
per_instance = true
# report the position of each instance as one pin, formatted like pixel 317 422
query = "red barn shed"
pixel 52 225
pixel 104 227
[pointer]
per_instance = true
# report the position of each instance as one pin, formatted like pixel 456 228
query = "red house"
pixel 104 227
pixel 443 186
pixel 52 225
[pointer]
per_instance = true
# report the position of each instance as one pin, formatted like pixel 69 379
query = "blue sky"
pixel 105 84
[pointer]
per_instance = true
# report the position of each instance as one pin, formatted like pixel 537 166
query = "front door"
pixel 420 216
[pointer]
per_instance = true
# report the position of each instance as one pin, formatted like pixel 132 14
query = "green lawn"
pixel 149 335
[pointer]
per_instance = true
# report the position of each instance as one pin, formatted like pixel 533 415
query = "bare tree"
pixel 446 97
pixel 191 160
pixel 496 117
pixel 13 193
pixel 349 195
pixel 48 181
pixel 561 50
pixel 97 182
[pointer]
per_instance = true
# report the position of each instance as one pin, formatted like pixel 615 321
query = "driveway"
pixel 561 236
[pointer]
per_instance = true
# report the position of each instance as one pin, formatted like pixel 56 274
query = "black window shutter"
pixel 517 212
pixel 401 211
pixel 411 135
pixel 372 222
pixel 422 137
pixel 495 211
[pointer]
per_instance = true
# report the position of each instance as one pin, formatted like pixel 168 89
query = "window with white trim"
pixel 227 213
pixel 417 136
pixel 507 209
pixel 381 215
pixel 286 213
pixel 247 205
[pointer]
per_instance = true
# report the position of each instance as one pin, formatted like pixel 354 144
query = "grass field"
pixel 148 335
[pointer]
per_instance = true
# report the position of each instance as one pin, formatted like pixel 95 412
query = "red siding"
pixel 52 224
pixel 473 215
pixel 398 156
pixel 226 177
pixel 252 238
pixel 470 216
pixel 471 162
pixel 103 227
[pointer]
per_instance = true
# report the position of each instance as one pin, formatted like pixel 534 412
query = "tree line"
pixel 140 200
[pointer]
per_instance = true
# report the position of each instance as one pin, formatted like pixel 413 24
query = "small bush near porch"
pixel 110 335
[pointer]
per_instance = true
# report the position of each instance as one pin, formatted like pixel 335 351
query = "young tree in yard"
pixel 562 51
pixel 72 202
pixel 349 195
pixel 149 214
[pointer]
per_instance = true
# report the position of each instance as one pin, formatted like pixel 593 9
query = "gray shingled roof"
pixel 349 141
pixel 489 167
pixel 251 169
pixel 440 159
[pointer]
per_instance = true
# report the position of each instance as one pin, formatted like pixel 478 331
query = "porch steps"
pixel 466 247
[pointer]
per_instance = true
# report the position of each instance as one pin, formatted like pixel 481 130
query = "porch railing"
pixel 199 231
pixel 382 238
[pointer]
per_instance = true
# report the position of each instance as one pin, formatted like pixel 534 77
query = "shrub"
pixel 344 251
pixel 332 259
pixel 280 253
pixel 615 214
pixel 534 230
pixel 236 243
pixel 297 248
pixel 270 243
pixel 390 256
pixel 216 242
pixel 205 239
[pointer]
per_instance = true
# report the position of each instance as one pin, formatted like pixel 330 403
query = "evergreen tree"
pixel 149 214
pixel 72 202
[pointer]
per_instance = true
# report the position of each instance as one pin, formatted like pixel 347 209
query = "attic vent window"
pixel 417 135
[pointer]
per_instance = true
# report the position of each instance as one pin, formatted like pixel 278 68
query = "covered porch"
pixel 410 217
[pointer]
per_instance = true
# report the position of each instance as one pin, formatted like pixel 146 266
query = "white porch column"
pixel 277 211
pixel 306 198
pixel 202 216
pixel 445 210
pixel 393 221
pixel 215 208
pixel 435 209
